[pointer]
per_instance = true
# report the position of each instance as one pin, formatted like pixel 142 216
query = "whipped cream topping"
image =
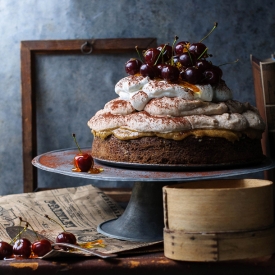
pixel 128 88
pixel 222 92
pixel 118 106
pixel 254 120
pixel 235 121
pixel 106 121
pixel 200 115
pixel 143 122
pixel 176 106
pixel 155 106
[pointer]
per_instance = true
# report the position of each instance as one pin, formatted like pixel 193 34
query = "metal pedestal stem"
pixel 142 219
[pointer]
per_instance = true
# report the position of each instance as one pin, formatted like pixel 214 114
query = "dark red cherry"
pixel 181 47
pixel 41 247
pixel 66 237
pixel 151 56
pixel 187 59
pixel 192 75
pixel 212 76
pixel 167 52
pixel 22 248
pixel 63 237
pixel 158 69
pixel 132 66
pixel 5 250
pixel 147 70
pixel 218 69
pixel 178 64
pixel 198 50
pixel 83 162
pixel 176 59
pixel 203 64
pixel 170 73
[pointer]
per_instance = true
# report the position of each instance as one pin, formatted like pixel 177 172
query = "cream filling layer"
pixel 126 134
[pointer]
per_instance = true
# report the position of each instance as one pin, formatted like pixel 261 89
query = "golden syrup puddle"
pixel 93 170
pixel 94 244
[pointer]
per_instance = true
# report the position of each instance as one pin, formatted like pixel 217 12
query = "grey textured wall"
pixel 245 27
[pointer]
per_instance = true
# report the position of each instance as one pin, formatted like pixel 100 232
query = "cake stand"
pixel 142 219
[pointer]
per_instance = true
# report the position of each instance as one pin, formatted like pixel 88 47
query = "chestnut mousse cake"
pixel 174 112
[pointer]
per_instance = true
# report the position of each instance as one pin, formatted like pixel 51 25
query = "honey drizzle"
pixel 95 170
pixel 190 86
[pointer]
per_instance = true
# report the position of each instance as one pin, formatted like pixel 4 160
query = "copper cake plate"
pixel 142 219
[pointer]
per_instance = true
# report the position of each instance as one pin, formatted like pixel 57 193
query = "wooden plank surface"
pixel 153 263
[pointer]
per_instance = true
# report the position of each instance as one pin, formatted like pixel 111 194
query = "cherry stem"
pixel 229 63
pixel 215 26
pixel 175 40
pixel 28 224
pixel 19 234
pixel 203 53
pixel 55 222
pixel 190 56
pixel 160 54
pixel 76 143
pixel 141 59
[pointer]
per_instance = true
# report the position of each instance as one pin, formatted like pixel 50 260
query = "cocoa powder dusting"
pixel 53 161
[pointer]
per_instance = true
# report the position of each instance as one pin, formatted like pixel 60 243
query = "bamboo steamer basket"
pixel 219 220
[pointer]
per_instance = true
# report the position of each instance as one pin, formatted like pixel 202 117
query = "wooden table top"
pixel 155 263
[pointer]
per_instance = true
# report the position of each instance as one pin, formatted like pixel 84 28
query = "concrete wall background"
pixel 245 27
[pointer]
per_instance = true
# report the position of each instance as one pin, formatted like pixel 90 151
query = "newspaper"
pixel 80 210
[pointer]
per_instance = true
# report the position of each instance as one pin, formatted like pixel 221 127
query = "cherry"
pixel 83 162
pixel 212 76
pixel 218 69
pixel 148 70
pixel 41 247
pixel 66 237
pixel 22 248
pixel 151 56
pixel 187 59
pixel 203 64
pixel 199 50
pixel 176 59
pixel 158 69
pixel 167 52
pixel 181 47
pixel 63 237
pixel 5 250
pixel 132 66
pixel 192 75
pixel 170 73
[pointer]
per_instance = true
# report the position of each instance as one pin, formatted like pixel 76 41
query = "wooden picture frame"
pixel 29 49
